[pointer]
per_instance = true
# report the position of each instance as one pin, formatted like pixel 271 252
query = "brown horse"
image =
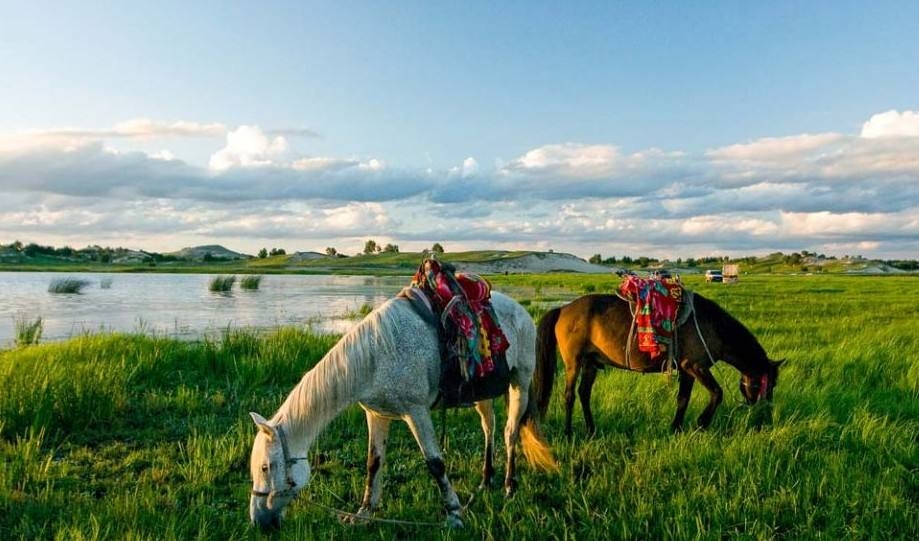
pixel 593 332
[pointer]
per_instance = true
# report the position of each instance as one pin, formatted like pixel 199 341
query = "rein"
pixel 288 462
pixel 342 515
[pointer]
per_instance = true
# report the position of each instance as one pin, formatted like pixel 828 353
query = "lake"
pixel 181 306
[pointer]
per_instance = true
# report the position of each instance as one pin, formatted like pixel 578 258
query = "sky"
pixel 663 129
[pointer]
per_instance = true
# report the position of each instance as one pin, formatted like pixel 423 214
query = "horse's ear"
pixel 262 424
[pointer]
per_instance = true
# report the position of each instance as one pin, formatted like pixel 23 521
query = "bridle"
pixel 288 462
pixel 761 386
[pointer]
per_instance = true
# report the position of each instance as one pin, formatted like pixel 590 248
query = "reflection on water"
pixel 180 305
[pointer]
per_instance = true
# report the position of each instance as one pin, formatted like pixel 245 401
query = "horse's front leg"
pixel 717 395
pixel 682 400
pixel 378 432
pixel 487 414
pixel 419 421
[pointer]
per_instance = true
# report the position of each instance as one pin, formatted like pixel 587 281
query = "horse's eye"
pixel 264 468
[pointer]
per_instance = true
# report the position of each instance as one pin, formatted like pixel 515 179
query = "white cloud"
pixel 570 159
pixel 248 146
pixel 806 191
pixel 892 124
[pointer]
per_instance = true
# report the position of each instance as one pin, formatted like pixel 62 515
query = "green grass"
pixel 133 437
pixel 250 281
pixel 67 285
pixel 221 284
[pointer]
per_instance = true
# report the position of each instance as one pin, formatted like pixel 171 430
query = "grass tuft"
pixel 28 332
pixel 222 284
pixel 250 281
pixel 67 285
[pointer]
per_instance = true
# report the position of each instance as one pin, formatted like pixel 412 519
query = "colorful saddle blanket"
pixel 657 305
pixel 473 333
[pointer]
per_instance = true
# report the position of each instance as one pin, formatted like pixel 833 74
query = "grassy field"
pixel 132 437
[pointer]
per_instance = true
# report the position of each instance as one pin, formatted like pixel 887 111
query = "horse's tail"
pixel 546 344
pixel 535 447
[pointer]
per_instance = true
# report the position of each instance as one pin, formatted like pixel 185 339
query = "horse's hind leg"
pixel 572 371
pixel 584 391
pixel 682 400
pixel 487 414
pixel 419 421
pixel 378 428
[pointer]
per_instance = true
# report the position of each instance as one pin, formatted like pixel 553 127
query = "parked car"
pixel 713 276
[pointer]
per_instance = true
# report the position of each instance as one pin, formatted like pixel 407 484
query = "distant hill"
pixel 479 262
pixel 208 252
pixel 19 256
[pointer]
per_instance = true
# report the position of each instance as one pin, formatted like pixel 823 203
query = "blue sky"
pixel 671 129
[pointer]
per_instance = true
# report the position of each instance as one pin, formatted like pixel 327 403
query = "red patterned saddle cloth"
pixel 463 301
pixel 657 305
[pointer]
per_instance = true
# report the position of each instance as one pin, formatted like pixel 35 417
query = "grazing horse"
pixel 390 364
pixel 594 331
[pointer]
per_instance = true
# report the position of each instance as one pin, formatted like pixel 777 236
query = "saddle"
pixel 472 345
pixel 659 307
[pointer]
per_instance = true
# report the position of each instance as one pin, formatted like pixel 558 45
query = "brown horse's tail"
pixel 546 344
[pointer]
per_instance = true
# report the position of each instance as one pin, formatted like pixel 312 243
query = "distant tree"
pixel 437 248
pixel 263 253
pixel 17 245
pixel 391 248
pixel 330 251
pixel 370 247
pixel 277 251
pixel 596 259
pixel 207 257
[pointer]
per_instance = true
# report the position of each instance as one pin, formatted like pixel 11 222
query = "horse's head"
pixel 277 477
pixel 760 387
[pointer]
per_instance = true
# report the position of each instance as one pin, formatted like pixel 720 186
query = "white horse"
pixel 390 364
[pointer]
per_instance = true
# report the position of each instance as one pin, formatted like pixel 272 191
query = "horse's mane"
pixel 337 375
pixel 736 337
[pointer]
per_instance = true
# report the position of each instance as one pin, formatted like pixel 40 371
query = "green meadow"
pixel 147 438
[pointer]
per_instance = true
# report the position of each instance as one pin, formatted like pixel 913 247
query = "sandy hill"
pixel 216 251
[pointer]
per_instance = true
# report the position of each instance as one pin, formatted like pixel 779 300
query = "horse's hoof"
pixel 510 488
pixel 362 516
pixel 454 522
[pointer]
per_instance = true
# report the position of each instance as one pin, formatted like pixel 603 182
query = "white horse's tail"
pixel 535 447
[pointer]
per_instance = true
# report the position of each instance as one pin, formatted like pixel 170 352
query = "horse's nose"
pixel 267 521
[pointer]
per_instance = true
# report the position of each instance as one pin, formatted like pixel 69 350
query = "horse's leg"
pixel 708 381
pixel 584 391
pixel 487 414
pixel 572 371
pixel 517 401
pixel 378 428
pixel 682 400
pixel 419 421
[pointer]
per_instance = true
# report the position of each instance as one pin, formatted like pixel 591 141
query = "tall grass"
pixel 133 437
pixel 250 281
pixel 28 331
pixel 67 285
pixel 222 284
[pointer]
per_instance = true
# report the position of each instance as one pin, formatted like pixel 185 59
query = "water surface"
pixel 180 305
